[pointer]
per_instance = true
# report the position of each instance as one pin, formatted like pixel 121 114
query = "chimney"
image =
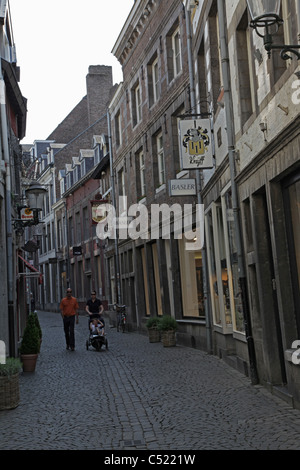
pixel 98 85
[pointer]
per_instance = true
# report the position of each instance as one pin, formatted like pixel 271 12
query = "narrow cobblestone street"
pixel 140 395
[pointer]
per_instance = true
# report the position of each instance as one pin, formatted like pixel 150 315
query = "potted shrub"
pixel 30 345
pixel 9 383
pixel 153 331
pixel 168 326
pixel 37 324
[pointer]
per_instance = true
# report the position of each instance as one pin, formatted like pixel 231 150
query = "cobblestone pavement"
pixel 140 395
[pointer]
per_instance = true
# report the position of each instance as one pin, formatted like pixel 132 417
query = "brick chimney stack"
pixel 98 86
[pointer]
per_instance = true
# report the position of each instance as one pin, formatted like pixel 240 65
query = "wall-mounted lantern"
pixel 265 19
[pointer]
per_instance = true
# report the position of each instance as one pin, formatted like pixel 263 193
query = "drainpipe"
pixel 112 182
pixel 235 202
pixel 199 185
pixel 9 238
pixel 67 244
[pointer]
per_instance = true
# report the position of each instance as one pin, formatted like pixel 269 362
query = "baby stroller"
pixel 95 339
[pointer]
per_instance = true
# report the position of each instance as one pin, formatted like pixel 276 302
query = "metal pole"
pixel 198 182
pixel 235 201
pixel 67 244
pixel 112 180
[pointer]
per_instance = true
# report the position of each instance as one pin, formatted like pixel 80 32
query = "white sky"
pixel 56 41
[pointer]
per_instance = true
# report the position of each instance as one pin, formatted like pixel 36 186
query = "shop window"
pixel 212 269
pixel 191 281
pixel 157 279
pixel 292 215
pixel 112 280
pixel 146 289
pixel 232 263
pixel 220 277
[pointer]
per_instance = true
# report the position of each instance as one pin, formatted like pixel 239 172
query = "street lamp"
pixel 35 195
pixel 265 15
pixel 28 215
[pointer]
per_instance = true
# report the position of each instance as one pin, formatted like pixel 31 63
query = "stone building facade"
pixel 256 128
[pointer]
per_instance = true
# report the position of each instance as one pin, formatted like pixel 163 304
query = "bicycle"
pixel 121 317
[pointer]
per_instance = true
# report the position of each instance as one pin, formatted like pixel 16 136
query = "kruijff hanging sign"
pixel 195 144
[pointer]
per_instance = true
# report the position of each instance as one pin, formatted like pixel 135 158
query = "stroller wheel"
pixel 106 344
pixel 87 345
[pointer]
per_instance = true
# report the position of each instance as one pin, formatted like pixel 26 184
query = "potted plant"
pixel 168 326
pixel 30 345
pixel 9 383
pixel 37 324
pixel 153 331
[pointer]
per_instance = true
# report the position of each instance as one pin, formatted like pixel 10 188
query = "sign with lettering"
pixel 77 250
pixel 195 144
pixel 26 213
pixel 182 187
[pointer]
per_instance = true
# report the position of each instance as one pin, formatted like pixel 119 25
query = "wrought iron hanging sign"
pixel 195 144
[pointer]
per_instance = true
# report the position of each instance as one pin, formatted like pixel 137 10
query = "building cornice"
pixel 136 22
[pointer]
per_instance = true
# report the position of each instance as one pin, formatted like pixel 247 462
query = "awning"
pixel 32 269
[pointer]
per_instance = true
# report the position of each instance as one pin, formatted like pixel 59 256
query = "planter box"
pixel 9 392
pixel 168 338
pixel 154 335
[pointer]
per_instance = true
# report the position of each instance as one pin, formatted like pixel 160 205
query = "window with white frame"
pixel 62 186
pixel 141 183
pixel 118 129
pixel 97 155
pixel 136 104
pixel 83 167
pixel 160 159
pixel 122 191
pixel 153 80
pixel 174 58
pixel 176 50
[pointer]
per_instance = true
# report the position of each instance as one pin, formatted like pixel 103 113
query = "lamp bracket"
pixel 265 21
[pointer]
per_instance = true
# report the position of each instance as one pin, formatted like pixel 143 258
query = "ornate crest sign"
pixel 98 210
pixel 195 144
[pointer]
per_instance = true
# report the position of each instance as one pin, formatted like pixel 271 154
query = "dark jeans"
pixel 69 325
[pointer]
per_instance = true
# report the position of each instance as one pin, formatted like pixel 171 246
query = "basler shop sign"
pixel 182 187
pixel 195 144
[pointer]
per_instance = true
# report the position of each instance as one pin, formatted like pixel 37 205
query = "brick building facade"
pixel 157 275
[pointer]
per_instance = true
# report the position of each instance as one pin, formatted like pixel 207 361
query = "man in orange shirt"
pixel 69 310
